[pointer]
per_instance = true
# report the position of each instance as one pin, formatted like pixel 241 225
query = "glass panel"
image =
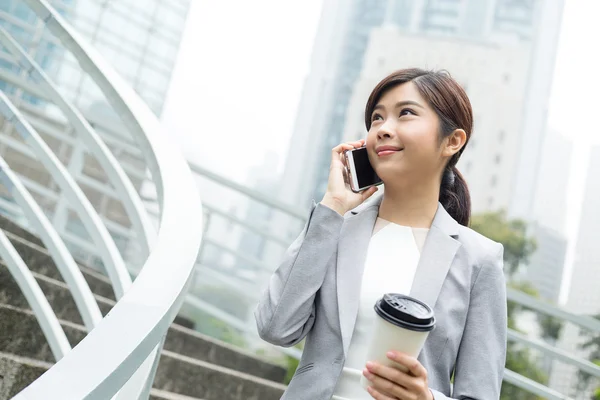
pixel 23 12
pixel 92 168
pixel 142 12
pixel 47 204
pixel 152 78
pixel 127 66
pixel 163 50
pixel 27 167
pixel 170 16
pixel 116 212
pixel 90 10
pixel 75 226
pixel 134 33
pixel 94 196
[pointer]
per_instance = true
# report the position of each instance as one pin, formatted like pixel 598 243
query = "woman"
pixel 418 123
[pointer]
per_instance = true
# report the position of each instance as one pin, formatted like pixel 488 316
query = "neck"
pixel 415 206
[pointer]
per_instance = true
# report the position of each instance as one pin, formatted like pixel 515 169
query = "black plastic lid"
pixel 405 312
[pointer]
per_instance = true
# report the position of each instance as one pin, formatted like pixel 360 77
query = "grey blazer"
pixel 315 294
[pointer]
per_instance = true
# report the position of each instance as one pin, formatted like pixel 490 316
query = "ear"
pixel 453 143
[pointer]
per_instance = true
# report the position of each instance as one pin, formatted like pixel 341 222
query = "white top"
pixel 390 267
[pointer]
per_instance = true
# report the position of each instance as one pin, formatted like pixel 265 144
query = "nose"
pixel 385 130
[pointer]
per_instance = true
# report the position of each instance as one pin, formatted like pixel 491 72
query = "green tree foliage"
pixel 518 247
pixel 591 344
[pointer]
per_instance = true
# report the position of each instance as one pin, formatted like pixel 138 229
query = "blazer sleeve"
pixel 286 310
pixel 482 351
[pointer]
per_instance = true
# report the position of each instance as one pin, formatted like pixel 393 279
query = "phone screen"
pixel 365 174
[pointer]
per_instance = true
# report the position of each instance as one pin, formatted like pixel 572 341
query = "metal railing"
pixel 119 356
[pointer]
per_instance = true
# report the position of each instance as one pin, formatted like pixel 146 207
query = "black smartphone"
pixel 361 174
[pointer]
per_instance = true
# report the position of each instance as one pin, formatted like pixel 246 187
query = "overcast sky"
pixel 238 80
pixel 242 64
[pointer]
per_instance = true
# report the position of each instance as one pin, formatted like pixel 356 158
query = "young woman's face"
pixel 403 142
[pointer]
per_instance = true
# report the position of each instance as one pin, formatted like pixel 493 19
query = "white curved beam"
pixel 117 177
pixel 107 357
pixel 532 386
pixel 555 353
pixel 35 297
pixel 82 295
pixel 113 262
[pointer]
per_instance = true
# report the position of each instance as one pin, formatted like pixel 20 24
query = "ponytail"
pixel 455 196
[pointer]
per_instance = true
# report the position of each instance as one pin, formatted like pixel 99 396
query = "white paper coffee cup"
pixel 402 324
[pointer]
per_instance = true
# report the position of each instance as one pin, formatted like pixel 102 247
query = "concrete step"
pixel 20 336
pixel 191 377
pixel 57 293
pixel 180 339
pixel 16 373
pixel 7 225
pixel 156 394
pixel 38 260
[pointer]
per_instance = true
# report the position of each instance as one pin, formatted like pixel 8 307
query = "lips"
pixel 387 150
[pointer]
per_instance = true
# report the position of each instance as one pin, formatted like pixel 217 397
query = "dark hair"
pixel 452 105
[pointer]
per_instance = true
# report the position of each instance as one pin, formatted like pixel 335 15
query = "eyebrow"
pixel 400 104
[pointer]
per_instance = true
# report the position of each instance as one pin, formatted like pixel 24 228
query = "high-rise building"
pixel 547 264
pixel 546 267
pixel 584 296
pixel 376 40
pixel 550 203
pixel 140 40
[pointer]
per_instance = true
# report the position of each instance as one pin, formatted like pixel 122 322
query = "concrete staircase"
pixel 192 366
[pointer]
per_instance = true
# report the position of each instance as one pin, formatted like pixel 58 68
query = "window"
pixel 494 180
pixel 501 136
pixel 498 159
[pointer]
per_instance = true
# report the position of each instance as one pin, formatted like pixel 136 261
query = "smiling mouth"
pixel 384 153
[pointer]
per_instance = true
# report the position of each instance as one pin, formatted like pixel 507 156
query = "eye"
pixel 407 111
pixel 376 117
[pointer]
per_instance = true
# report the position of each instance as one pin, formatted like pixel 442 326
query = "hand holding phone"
pixel 339 196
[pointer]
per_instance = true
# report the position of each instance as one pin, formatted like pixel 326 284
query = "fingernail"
pixel 391 355
pixel 367 374
pixel 370 365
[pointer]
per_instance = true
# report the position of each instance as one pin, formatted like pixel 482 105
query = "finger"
pixel 390 374
pixel 377 395
pixel 386 387
pixel 337 153
pixel 414 366
pixel 357 144
pixel 340 148
pixel 369 192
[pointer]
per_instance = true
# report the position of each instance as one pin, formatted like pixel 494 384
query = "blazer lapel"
pixel 352 252
pixel 436 258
